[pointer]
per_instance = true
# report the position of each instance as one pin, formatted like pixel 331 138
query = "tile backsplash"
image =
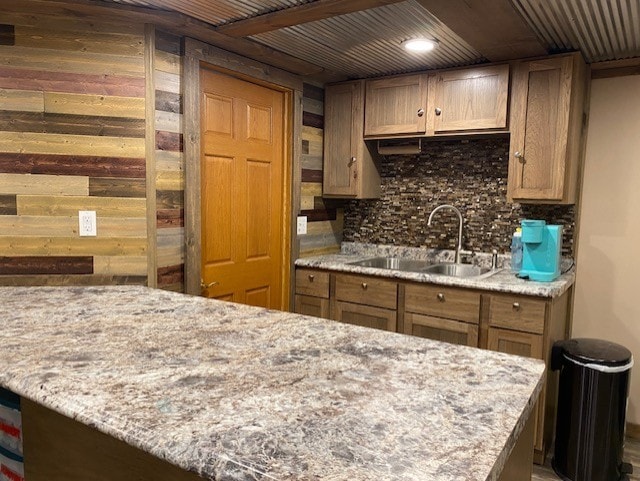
pixel 469 174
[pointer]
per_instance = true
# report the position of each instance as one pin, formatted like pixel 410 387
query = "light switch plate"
pixel 302 225
pixel 87 223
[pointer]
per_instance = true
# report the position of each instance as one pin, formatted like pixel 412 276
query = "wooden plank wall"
pixel 72 137
pixel 324 216
pixel 169 156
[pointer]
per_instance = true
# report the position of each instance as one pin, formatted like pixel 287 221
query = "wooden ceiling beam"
pixel 171 22
pixel 494 28
pixel 308 12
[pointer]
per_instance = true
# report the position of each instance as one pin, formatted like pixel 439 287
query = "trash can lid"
pixel 596 351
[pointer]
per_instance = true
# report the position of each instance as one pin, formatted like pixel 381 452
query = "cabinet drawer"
pixel 518 313
pixel 311 282
pixel 443 302
pixel 371 291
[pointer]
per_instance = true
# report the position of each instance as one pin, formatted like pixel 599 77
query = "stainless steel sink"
pixel 459 270
pixel 394 263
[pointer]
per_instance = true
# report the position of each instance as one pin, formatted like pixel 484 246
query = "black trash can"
pixel 592 403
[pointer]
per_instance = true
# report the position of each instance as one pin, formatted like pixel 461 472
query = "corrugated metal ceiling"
pixel 601 29
pixel 367 43
pixel 218 12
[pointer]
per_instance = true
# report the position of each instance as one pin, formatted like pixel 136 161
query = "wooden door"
pixel 396 105
pixel 470 99
pixel 440 329
pixel 242 191
pixel 541 98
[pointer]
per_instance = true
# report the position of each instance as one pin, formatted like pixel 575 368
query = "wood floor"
pixel 631 455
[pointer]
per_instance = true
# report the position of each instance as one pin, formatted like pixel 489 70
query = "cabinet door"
pixel 349 168
pixel 367 316
pixel 541 101
pixel 440 329
pixel 526 345
pixel 312 306
pixel 396 105
pixel 343 115
pixel 470 99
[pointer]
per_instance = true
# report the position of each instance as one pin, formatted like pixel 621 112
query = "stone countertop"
pixel 502 281
pixel 235 392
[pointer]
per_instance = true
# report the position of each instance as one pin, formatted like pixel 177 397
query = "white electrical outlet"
pixel 302 224
pixel 87 223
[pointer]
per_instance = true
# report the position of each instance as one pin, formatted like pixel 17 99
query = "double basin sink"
pixel 412 265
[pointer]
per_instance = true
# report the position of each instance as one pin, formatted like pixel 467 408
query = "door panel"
pixel 242 172
pixel 259 181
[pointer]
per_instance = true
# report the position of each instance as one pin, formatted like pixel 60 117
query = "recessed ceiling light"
pixel 419 45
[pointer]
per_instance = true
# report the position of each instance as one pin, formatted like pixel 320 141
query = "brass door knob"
pixel 207 286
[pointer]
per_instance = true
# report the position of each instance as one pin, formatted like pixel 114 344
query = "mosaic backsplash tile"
pixel 469 174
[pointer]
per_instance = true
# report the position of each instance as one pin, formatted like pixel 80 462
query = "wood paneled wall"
pixel 324 216
pixel 169 161
pixel 72 137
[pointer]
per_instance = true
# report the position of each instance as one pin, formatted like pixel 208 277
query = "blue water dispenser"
pixel 541 250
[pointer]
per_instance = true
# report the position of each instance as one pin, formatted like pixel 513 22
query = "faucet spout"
pixel 458 258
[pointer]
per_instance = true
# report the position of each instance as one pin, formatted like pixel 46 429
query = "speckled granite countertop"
pixel 239 393
pixel 502 281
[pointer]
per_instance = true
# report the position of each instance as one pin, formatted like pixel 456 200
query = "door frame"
pixel 196 55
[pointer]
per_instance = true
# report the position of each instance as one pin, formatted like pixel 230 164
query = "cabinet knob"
pixel 518 155
pixel 311 277
pixel 516 306
pixel 352 160
pixel 420 112
pixel 438 111
pixel 364 286
pixel 440 296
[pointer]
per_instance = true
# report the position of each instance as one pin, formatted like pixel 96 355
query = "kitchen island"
pixel 229 392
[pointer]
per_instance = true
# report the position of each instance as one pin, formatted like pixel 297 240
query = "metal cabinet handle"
pixel 440 296
pixel 311 277
pixel 364 286
pixel 420 112
pixel 207 286
pixel 516 306
pixel 438 111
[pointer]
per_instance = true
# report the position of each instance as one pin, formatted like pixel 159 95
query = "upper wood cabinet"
pixel 547 112
pixel 469 99
pixel 349 168
pixel 396 105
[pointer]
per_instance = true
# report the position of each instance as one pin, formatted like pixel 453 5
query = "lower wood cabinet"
pixel 514 324
pixel 312 306
pixel 440 329
pixel 442 313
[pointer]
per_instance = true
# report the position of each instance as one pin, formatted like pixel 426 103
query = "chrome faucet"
pixel 459 251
